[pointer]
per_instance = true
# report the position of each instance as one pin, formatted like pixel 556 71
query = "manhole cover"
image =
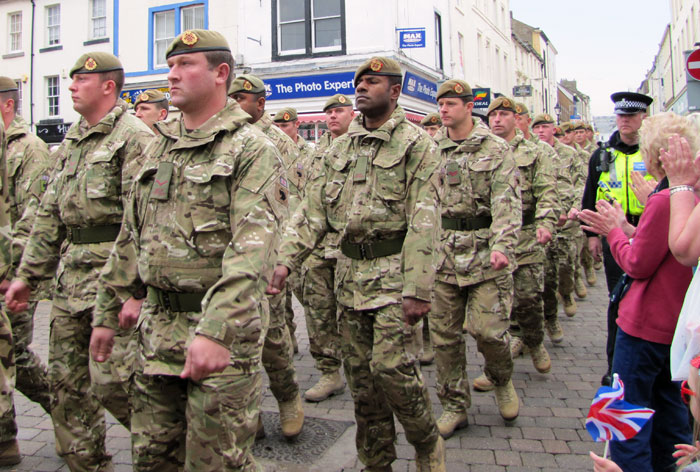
pixel 316 437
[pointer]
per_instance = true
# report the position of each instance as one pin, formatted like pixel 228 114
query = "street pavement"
pixel 549 434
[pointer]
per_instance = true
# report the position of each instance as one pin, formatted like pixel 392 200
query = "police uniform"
pixel 609 178
pixel 374 182
pixel 200 236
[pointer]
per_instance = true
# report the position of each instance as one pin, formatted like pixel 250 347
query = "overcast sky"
pixel 606 46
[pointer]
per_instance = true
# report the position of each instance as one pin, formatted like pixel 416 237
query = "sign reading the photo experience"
pixel 420 88
pixel 308 86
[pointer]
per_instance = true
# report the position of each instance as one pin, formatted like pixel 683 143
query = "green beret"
pixel 432 119
pixel 337 100
pixel 285 115
pixel 378 66
pixel 197 40
pixel 455 88
pixel 521 109
pixel 94 62
pixel 246 83
pixel 150 96
pixel 501 103
pixel 7 84
pixel 542 118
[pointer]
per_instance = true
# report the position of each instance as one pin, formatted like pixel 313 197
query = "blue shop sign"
pixel 420 88
pixel 309 86
pixel 411 38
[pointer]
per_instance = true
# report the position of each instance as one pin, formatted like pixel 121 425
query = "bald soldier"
pixel 28 169
pixel 74 230
pixel 277 358
pixel 151 106
pixel 431 123
pixel 379 191
pixel 318 271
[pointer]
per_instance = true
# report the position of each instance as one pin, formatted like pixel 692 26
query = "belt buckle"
pixel 165 300
pixel 363 253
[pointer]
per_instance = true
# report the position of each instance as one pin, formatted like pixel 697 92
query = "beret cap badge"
pixel 518 109
pixel 341 99
pixel 458 88
pixel 90 64
pixel 286 117
pixel 144 97
pixel 247 85
pixel 376 65
pixel 189 38
pixel 434 119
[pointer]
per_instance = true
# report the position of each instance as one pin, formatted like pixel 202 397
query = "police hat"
pixel 454 88
pixel 629 103
pixel 149 96
pixel 378 66
pixel 542 118
pixel 95 62
pixel 285 115
pixel 432 119
pixel 501 103
pixel 8 85
pixel 197 40
pixel 246 83
pixel 337 100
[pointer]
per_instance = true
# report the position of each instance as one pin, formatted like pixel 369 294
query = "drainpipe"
pixel 31 72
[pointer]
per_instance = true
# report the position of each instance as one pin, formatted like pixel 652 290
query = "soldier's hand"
pixel 4 285
pixel 129 314
pixel 595 247
pixel 573 214
pixel 101 343
pixel 17 296
pixel 204 357
pixel 562 220
pixel 543 236
pixel 414 310
pixel 277 282
pixel 498 260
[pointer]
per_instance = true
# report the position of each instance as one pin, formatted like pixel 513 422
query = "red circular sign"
pixel 692 64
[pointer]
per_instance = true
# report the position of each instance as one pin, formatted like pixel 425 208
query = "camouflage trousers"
pixel 585 260
pixel 527 316
pixel 278 352
pixel 179 424
pixel 81 387
pixel 8 427
pixel 293 282
pixel 567 255
pixel 320 311
pixel 559 256
pixel 381 367
pixel 486 306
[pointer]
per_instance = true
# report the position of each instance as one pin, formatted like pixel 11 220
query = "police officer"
pixel 151 106
pixel 431 123
pixel 74 231
pixel 609 172
pixel 199 238
pixel 379 191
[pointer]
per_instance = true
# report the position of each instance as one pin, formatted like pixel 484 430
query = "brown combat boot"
pixel 554 331
pixel 483 384
pixel 433 461
pixel 580 287
pixel 508 401
pixel 540 359
pixel 516 346
pixel 451 421
pixel 591 278
pixel 569 305
pixel 327 385
pixel 291 417
pixel 9 453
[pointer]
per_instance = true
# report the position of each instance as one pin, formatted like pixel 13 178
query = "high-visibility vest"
pixel 615 182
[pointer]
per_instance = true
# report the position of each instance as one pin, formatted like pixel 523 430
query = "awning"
pixel 414 117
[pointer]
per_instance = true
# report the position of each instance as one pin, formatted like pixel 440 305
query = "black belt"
pixel 529 218
pixel 176 301
pixel 93 234
pixel 372 250
pixel 466 224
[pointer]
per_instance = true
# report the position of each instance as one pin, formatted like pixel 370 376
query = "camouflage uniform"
pixel 278 352
pixel 73 233
pixel 378 189
pixel 480 189
pixel 540 207
pixel 318 286
pixel 200 235
pixel 28 168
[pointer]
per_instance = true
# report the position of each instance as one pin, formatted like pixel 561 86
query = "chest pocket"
pixel 526 171
pixel 14 162
pixel 389 176
pixel 480 180
pixel 208 195
pixel 103 177
pixel 336 181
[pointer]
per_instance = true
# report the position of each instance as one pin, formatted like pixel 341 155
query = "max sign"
pixel 411 38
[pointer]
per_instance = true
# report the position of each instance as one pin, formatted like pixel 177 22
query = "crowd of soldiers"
pixel 171 249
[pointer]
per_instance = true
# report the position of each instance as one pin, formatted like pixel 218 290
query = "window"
pixel 52 95
pixel 438 41
pixel 14 27
pixel 308 27
pixel 98 19
pixel 170 20
pixel 53 25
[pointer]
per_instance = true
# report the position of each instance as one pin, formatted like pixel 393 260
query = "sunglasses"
pixel 686 392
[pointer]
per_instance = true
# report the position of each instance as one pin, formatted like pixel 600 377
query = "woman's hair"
pixel 654 134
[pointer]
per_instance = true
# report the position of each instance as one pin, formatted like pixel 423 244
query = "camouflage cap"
pixel 150 96
pixel 94 62
pixel 7 84
pixel 246 83
pixel 337 100
pixel 378 66
pixel 542 118
pixel 521 109
pixel 432 119
pixel 197 40
pixel 285 115
pixel 455 88
pixel 501 103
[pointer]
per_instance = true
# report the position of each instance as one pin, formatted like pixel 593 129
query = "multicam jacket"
pixel 569 169
pixel 204 217
pixel 374 186
pixel 5 226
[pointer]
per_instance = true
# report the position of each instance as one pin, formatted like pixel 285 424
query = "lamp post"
pixel 557 110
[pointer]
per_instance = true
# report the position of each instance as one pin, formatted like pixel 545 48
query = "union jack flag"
pixel 611 418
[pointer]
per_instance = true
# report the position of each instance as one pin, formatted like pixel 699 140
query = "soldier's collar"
pixel 17 128
pixel 104 126
pixel 384 132
pixel 229 118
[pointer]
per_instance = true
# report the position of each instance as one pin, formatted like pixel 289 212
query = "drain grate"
pixel 316 437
